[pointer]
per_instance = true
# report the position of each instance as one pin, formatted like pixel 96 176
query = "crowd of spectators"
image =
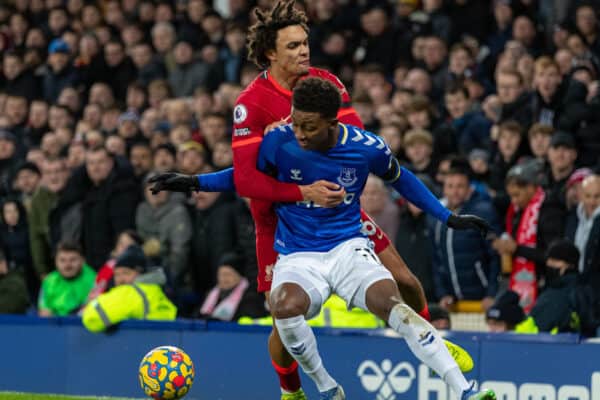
pixel 493 104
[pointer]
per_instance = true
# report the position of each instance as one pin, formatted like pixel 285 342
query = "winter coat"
pixel 464 264
pixel 413 244
pixel 107 210
pixel 520 110
pixel 151 71
pixel 120 76
pixel 556 309
pixel 25 84
pixel 473 131
pixel 591 264
pixel 53 83
pixel 245 239
pixel 185 78
pixel 13 293
pixel 15 241
pixel 583 120
pixel 211 238
pixel 42 202
pixel 170 223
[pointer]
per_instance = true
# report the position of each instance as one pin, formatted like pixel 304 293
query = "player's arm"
pixel 408 185
pixel 221 181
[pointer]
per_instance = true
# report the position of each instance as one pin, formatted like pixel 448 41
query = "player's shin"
pixel 427 345
pixel 301 343
pixel 284 364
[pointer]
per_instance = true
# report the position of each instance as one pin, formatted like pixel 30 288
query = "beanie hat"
pixel 564 250
pixel 233 260
pixel 578 176
pixel 133 257
pixel 506 308
pixel 436 312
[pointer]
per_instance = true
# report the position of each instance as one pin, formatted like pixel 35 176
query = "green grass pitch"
pixel 31 396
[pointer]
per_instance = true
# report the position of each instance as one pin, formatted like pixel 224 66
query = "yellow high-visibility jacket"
pixel 334 314
pixel 123 302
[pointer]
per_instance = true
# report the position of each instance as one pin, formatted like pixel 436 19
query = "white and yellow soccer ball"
pixel 166 373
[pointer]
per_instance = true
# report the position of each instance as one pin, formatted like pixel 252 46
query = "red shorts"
pixel 265 221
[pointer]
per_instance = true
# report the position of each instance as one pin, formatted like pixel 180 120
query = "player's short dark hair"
pixel 263 34
pixel 317 95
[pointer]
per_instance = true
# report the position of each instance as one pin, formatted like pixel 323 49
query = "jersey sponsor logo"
pixel 348 199
pixel 296 174
pixel 241 132
pixel 240 113
pixel 347 177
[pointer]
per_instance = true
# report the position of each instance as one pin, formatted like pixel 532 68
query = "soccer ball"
pixel 166 373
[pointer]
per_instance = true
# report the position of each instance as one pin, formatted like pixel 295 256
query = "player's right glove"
pixel 461 222
pixel 174 182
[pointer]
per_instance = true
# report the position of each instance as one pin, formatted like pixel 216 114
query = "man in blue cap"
pixel 60 72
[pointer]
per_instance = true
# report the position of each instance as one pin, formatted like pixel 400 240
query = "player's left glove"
pixel 174 182
pixel 462 222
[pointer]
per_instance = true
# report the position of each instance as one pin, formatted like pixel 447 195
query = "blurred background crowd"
pixel 494 104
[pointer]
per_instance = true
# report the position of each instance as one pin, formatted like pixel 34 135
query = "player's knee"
pixel 288 303
pixel 287 308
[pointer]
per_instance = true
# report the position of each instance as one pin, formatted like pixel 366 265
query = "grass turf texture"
pixel 31 396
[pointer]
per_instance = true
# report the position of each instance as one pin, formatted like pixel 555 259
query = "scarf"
pixel 523 279
pixel 226 309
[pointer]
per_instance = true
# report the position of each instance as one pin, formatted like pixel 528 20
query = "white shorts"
pixel 347 270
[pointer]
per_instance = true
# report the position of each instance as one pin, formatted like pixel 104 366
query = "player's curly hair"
pixel 317 95
pixel 263 34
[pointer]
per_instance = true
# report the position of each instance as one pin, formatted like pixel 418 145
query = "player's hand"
pixel 323 193
pixel 174 182
pixel 446 302
pixel 274 125
pixel 462 222
pixel 487 302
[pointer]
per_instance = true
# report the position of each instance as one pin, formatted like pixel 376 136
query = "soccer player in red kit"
pixel 278 42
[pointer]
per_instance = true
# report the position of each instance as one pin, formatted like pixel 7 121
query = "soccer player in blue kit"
pixel 323 251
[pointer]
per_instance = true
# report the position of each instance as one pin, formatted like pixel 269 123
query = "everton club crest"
pixel 347 177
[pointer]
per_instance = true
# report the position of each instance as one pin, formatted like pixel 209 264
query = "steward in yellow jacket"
pixel 136 295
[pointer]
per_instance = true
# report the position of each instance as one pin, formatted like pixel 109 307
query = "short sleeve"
pixel 249 122
pixel 379 155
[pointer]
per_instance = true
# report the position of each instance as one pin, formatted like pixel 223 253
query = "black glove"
pixel 174 183
pixel 461 222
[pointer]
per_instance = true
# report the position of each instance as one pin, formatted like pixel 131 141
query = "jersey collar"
pixel 277 86
pixel 343 136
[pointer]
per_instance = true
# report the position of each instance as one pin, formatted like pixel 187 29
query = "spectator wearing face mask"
pixel 556 309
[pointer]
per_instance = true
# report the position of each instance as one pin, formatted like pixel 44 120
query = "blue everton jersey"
pixel 304 226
